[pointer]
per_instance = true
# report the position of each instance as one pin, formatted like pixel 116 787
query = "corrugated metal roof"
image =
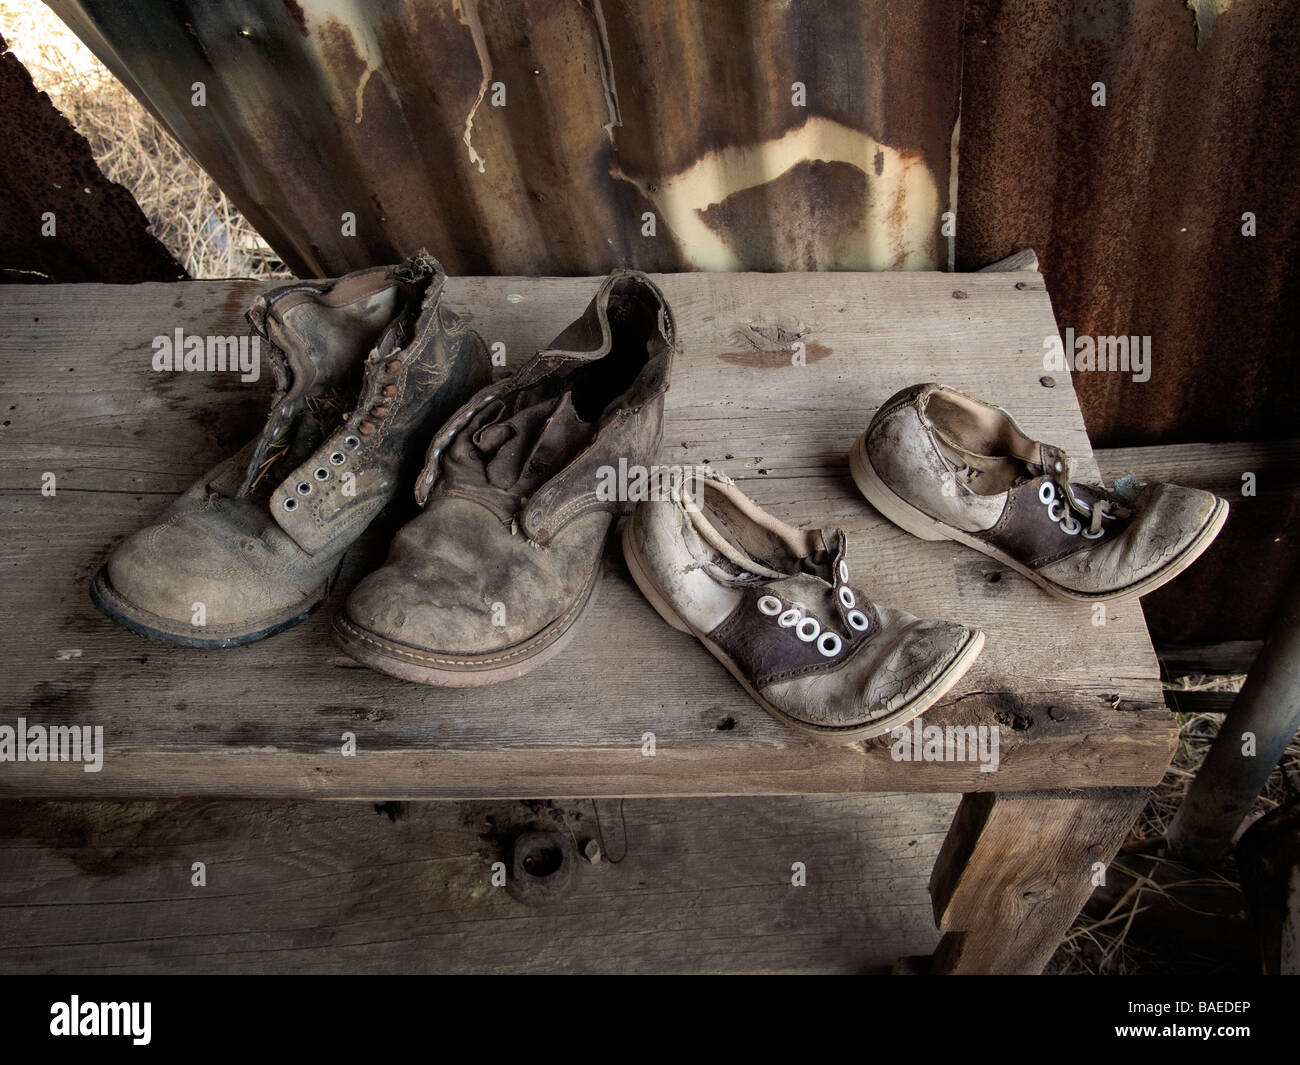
pixel 1136 207
pixel 533 137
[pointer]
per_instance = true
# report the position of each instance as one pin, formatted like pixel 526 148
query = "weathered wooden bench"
pixel 1072 690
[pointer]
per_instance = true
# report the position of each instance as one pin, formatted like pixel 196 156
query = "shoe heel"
pixel 884 499
pixel 642 580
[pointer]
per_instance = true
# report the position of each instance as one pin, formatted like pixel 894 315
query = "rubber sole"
pixel 916 706
pixel 215 638
pixel 461 671
pixel 921 525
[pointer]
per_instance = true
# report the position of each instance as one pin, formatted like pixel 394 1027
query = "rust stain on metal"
pixel 295 13
pixel 1136 212
pixel 1136 208
pixel 682 110
pixel 60 218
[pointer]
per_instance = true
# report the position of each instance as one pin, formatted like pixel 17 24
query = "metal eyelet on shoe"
pixel 859 621
pixel 1095 535
pixel 304 488
pixel 337 458
pixel 769 605
pixel 1071 526
pixel 321 474
pixel 844 571
pixel 808 630
pixel 290 503
pixel 352 442
pixel 846 597
pixel 790 617
pixel 1054 513
pixel 829 644
pixel 1047 493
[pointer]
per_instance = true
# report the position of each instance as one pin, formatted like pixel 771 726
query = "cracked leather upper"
pixel 509 543
pixel 1134 542
pixel 262 533
pixel 885 661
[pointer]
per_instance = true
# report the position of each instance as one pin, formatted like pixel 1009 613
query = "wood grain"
pixel 1015 870
pixel 1214 468
pixel 706 886
pixel 1079 704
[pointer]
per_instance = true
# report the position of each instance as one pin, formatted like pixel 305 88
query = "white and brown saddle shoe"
pixel 945 466
pixel 774 604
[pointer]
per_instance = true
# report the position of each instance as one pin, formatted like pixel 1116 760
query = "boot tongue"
pixel 820 562
pixel 294 372
pixel 286 352
pixel 521 452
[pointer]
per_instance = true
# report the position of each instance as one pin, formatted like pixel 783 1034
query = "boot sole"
pixel 916 706
pixel 921 525
pixel 218 637
pixel 461 671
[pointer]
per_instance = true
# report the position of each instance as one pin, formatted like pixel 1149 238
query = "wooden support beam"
pixel 1016 869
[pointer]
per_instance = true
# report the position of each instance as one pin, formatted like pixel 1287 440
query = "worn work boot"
pixel 774 605
pixel 488 581
pixel 251 549
pixel 945 466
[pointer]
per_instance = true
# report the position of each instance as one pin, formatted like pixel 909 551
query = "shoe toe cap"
pixel 180 571
pixel 891 674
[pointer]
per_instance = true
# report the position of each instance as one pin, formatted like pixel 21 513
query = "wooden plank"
pixel 1217 468
pixel 1199 702
pixel 1232 656
pixel 1026 259
pixel 706 886
pixel 1016 869
pixel 1077 703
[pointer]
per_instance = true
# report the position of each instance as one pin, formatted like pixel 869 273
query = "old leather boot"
pixel 774 605
pixel 486 583
pixel 251 549
pixel 945 466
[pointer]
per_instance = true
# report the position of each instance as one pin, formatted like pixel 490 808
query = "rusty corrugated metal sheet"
pixel 1135 208
pixel 46 169
pixel 613 108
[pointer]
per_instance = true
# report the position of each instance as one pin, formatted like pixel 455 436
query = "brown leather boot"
pixel 488 581
pixel 945 466
pixel 366 367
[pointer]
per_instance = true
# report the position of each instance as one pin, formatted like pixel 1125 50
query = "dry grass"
pixel 1102 943
pixel 187 212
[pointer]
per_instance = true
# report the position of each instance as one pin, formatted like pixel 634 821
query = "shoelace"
pixel 1068 523
pixel 1056 494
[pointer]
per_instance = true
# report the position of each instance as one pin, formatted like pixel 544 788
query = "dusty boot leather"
pixel 945 466
pixel 366 367
pixel 486 583
pixel 774 605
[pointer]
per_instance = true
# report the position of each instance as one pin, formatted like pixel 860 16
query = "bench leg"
pixel 1016 869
